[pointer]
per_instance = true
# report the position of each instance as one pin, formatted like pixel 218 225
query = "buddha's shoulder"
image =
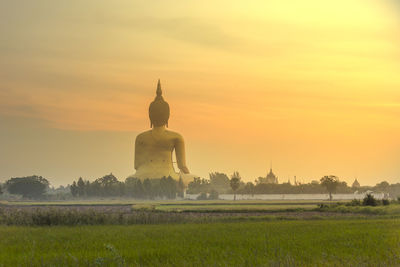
pixel 145 134
pixel 148 134
pixel 173 134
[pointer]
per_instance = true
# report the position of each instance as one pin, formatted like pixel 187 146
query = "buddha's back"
pixel 153 153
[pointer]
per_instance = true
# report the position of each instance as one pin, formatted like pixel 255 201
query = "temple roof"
pixel 356 183
pixel 271 174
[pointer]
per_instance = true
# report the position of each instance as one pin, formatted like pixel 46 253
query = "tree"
pixel 202 196
pixel 168 187
pixel 213 195
pixel 147 188
pixel 108 185
pixel 74 189
pixel 1 191
pixel 81 187
pixel 134 187
pixel 88 188
pixel 138 189
pixel 95 189
pixel 130 186
pixel 198 185
pixel 29 187
pixel 330 182
pixel 235 183
pixel 382 186
pixel 120 189
pixel 219 182
pixel 249 188
pixel 181 188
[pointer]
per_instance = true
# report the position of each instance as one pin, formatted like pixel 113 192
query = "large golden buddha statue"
pixel 154 148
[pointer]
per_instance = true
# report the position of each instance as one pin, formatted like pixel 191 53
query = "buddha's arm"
pixel 180 154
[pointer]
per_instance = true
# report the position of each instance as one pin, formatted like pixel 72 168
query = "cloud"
pixel 190 30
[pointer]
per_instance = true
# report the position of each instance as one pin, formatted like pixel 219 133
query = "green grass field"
pixel 273 243
pixel 198 233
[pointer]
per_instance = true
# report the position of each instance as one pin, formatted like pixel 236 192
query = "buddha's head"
pixel 159 110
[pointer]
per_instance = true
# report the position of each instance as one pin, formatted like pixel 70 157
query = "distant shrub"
pixel 323 206
pixel 385 202
pixel 354 202
pixel 202 196
pixel 213 195
pixel 330 205
pixel 369 200
pixel 398 199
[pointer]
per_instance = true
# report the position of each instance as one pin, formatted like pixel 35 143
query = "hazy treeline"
pixel 220 183
pixel 109 186
pixel 37 187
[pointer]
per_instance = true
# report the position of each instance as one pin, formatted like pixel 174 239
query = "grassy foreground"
pixel 289 243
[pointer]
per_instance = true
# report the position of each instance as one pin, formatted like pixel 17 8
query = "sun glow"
pixel 311 85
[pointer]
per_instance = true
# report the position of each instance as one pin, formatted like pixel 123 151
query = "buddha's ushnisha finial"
pixel 159 91
pixel 159 109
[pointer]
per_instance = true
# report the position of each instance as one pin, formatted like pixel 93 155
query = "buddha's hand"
pixel 184 169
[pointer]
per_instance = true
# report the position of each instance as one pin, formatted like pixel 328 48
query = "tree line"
pixel 37 187
pixel 109 186
pixel 222 184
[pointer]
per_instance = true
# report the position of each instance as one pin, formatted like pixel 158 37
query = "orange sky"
pixel 311 86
